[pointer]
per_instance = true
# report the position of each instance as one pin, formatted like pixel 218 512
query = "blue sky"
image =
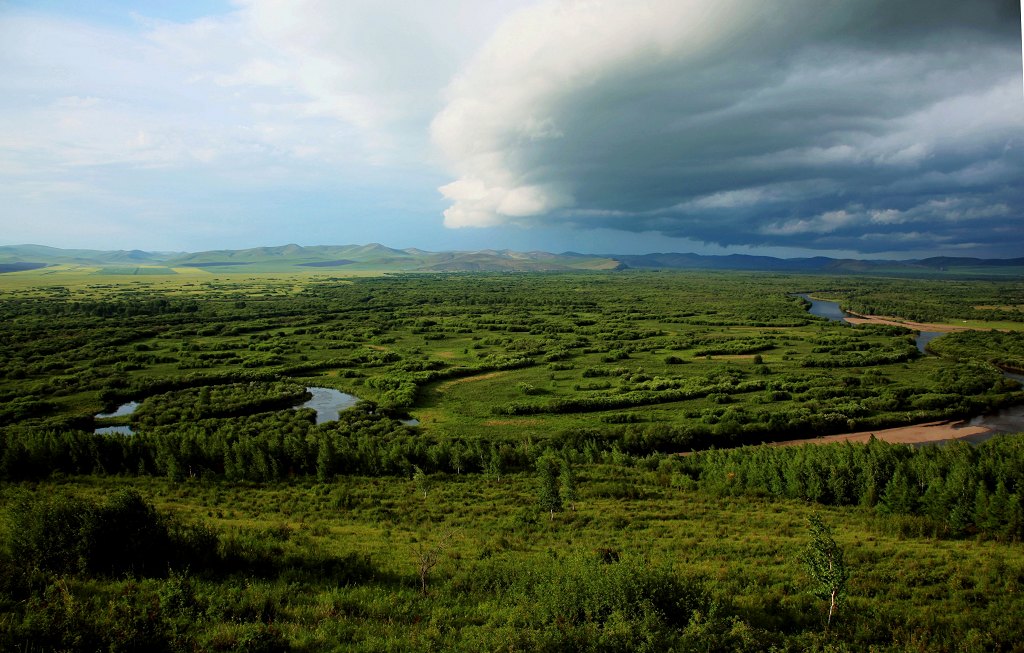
pixel 858 128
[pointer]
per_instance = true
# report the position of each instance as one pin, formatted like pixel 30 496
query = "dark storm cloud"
pixel 858 125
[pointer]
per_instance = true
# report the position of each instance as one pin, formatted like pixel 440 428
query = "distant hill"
pixel 819 264
pixel 20 267
pixel 946 262
pixel 377 257
pixel 56 256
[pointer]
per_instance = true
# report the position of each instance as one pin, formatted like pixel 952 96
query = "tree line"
pixel 956 489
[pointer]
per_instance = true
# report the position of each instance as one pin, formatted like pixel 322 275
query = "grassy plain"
pixel 515 352
pixel 607 368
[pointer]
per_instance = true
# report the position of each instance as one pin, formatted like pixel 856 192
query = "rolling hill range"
pixel 378 258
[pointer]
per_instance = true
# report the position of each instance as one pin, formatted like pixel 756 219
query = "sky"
pixel 865 128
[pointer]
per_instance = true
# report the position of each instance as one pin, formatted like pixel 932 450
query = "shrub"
pixel 124 535
pixel 47 532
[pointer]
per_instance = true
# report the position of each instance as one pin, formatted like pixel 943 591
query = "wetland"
pixel 275 493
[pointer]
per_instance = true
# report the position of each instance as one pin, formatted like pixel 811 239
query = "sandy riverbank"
pixel 854 318
pixel 915 434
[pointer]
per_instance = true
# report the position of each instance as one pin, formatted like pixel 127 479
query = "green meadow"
pixel 513 476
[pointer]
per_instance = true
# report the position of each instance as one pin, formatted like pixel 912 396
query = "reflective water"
pixel 328 403
pixel 924 337
pixel 831 311
pixel 826 309
pixel 1007 420
pixel 123 430
pixel 122 410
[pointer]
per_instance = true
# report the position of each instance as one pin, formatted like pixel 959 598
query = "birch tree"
pixel 824 561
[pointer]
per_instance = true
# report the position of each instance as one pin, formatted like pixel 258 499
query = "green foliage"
pixel 549 496
pixel 1005 350
pixel 501 336
pixel 952 488
pixel 229 400
pixel 933 300
pixel 528 379
pixel 583 603
pixel 421 480
pixel 651 566
pixel 123 535
pixel 825 563
pixel 52 533
pixel 567 483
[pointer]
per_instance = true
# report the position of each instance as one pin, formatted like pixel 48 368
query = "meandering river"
pixel 825 309
pixel 832 311
pixel 977 429
pixel 327 402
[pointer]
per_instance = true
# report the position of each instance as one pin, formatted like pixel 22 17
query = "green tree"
pixel 900 496
pixel 324 460
pixel 493 468
pixel 422 481
pixel 548 494
pixel 823 559
pixel 567 483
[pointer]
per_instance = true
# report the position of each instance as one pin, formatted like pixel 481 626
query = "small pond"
pixel 120 429
pixel 1019 378
pixel 328 403
pixel 122 411
pixel 923 338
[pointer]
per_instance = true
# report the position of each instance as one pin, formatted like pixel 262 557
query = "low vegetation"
pixel 540 502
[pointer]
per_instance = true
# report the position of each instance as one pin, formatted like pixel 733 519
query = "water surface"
pixel 328 403
pixel 1007 420
pixel 924 337
pixel 122 430
pixel 122 411
pixel 826 309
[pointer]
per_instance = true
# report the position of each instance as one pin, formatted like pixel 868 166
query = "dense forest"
pixel 536 462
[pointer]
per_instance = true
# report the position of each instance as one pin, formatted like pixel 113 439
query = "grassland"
pixel 318 537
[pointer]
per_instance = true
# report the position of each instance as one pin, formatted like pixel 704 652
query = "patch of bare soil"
pixel 512 422
pixel 914 434
pixel 854 318
pixel 917 433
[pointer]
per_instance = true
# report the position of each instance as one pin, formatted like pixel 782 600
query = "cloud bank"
pixel 119 127
pixel 860 125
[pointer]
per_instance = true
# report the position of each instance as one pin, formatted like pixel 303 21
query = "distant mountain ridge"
pixel 375 256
